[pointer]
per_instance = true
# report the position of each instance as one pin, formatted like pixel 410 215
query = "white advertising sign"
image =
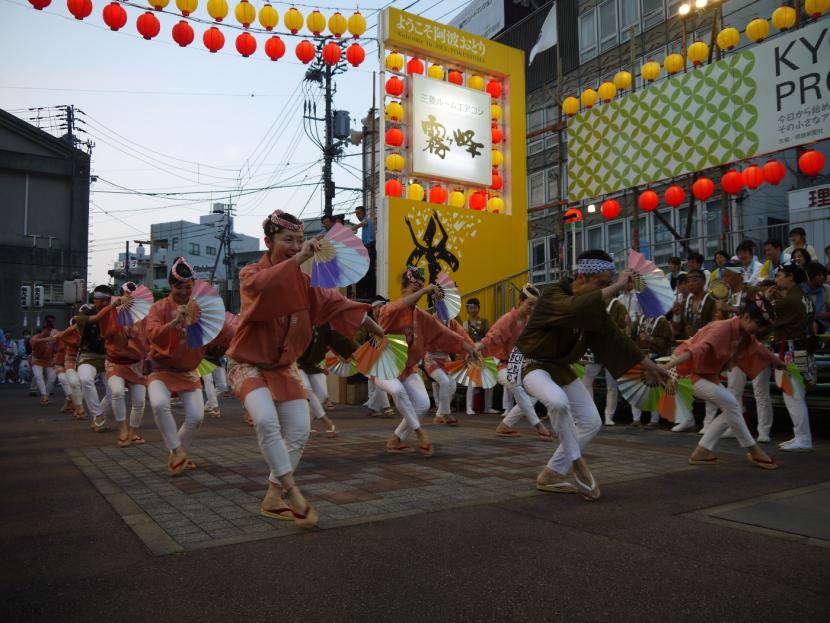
pixel 451 136
pixel 481 17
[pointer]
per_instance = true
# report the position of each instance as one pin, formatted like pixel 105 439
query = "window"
pixel 535 119
pixel 194 248
pixel 210 250
pixel 553 184
pixel 536 186
pixel 616 241
pixel 652 13
pixel 537 260
pixel 175 244
pixel 629 17
pixel 536 146
pixel 593 238
pixel 160 272
pixel 553 254
pixel 607 25
pixel 663 239
pixel 587 36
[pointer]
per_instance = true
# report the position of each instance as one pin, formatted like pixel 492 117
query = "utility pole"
pixel 127 263
pixel 225 239
pixel 328 151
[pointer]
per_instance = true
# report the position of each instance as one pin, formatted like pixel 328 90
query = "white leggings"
pixel 507 400
pixel 282 430
pixel 318 393
pixel 215 383
pixel 573 414
pixel 194 413
pixel 524 403
pixel 488 399
pixel 118 396
pixel 760 388
pixel 729 417
pixel 44 387
pixel 87 374
pixel 592 371
pixel 71 385
pixel 446 391
pixel 410 398
pixel 378 399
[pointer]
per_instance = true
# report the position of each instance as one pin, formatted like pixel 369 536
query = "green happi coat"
pixel 563 326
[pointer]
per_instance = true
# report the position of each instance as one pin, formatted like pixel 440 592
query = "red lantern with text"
pixel 648 201
pixel 80 8
pixel 811 162
pixel 246 44
pixel 40 4
pixel 437 194
pixel 305 51
pixel 497 182
pixel 115 16
pixel 148 25
pixel 183 34
pixel 674 195
pixel 611 209
pixel 415 66
pixel 497 135
pixel 455 77
pixel 332 53
pixel 494 89
pixel 274 48
pixel 732 182
pixel 213 39
pixel 478 200
pixel 394 137
pixel 355 54
pixel 394 188
pixel 703 188
pixel 774 171
pixel 753 176
pixel 394 86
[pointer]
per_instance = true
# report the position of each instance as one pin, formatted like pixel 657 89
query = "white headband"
pixel 528 294
pixel 593 267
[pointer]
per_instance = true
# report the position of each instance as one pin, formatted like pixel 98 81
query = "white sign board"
pixel 810 208
pixel 451 136
pixel 481 17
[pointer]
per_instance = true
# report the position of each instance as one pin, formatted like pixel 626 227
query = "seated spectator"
pixel 798 240
pixel 745 254
pixel 818 290
pixel 694 261
pixel 801 257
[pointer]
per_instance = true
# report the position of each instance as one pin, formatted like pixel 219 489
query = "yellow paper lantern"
pixel 476 82
pixel 650 71
pixel 217 9
pixel 434 71
pixel 159 4
pixel 728 38
pixel 623 80
pixel 495 205
pixel 497 157
pixel 357 24
pixel 495 112
pixel 457 199
pixel 698 52
pixel 293 19
pixel 316 22
pixel 337 24
pixel 589 97
pixel 783 18
pixel 187 6
pixel 570 106
pixel 268 17
pixel 816 8
pixel 757 30
pixel 607 91
pixel 245 13
pixel 674 63
pixel 394 162
pixel 415 192
pixel 394 62
pixel 394 111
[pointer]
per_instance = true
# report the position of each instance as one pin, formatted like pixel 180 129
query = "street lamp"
pixel 592 208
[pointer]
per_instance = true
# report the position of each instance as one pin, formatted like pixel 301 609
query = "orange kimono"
pixel 279 307
pixel 173 362
pixel 423 333
pixel 126 347
pixel 43 350
pixel 502 336
pixel 70 341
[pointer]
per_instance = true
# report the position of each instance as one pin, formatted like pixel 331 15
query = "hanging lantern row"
pixel 395 63
pixel 478 200
pixel 783 18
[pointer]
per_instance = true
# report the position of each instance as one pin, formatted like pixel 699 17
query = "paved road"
pixel 459 537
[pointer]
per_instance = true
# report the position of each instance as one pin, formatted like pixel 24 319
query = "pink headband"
pixel 276 219
pixel 179 262
pixel 414 275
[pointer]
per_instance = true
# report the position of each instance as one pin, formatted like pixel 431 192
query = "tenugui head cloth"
pixel 594 267
pixel 179 275
pixel 734 266
pixel 526 290
pixel 415 275
pixel 276 219
pixel 101 295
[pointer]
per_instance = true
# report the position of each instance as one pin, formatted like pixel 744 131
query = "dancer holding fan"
pixel 435 365
pixel 423 333
pixel 279 308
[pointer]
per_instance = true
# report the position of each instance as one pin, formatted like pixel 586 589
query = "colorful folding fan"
pixel 135 306
pixel 447 300
pixel 341 260
pixel 205 315
pixel 790 381
pixel 653 289
pixel 383 359
pixel 476 373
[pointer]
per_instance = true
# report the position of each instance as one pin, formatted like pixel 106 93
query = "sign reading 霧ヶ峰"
pixel 760 100
pixel 450 132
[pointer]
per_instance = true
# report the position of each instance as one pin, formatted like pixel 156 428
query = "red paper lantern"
pixel 355 54
pixel 394 137
pixel 455 77
pixel 497 135
pixel 732 182
pixel 305 51
pixel 494 89
pixel 40 4
pixel 611 208
pixel 753 176
pixel 114 16
pixel 437 194
pixel 246 44
pixel 183 34
pixel 674 195
pixel 811 162
pixel 332 53
pixel 394 188
pixel 394 86
pixel 648 201
pixel 703 188
pixel 415 66
pixel 213 39
pixel 774 171
pixel 274 48
pixel 148 25
pixel 80 8
pixel 497 182
pixel 478 200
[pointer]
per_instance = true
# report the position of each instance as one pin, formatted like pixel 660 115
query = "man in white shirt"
pixel 745 254
pixel 798 240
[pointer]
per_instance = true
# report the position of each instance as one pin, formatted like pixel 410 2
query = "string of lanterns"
pixel 783 18
pixel 148 26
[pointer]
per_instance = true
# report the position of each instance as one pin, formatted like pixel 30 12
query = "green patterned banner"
pixel 760 100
